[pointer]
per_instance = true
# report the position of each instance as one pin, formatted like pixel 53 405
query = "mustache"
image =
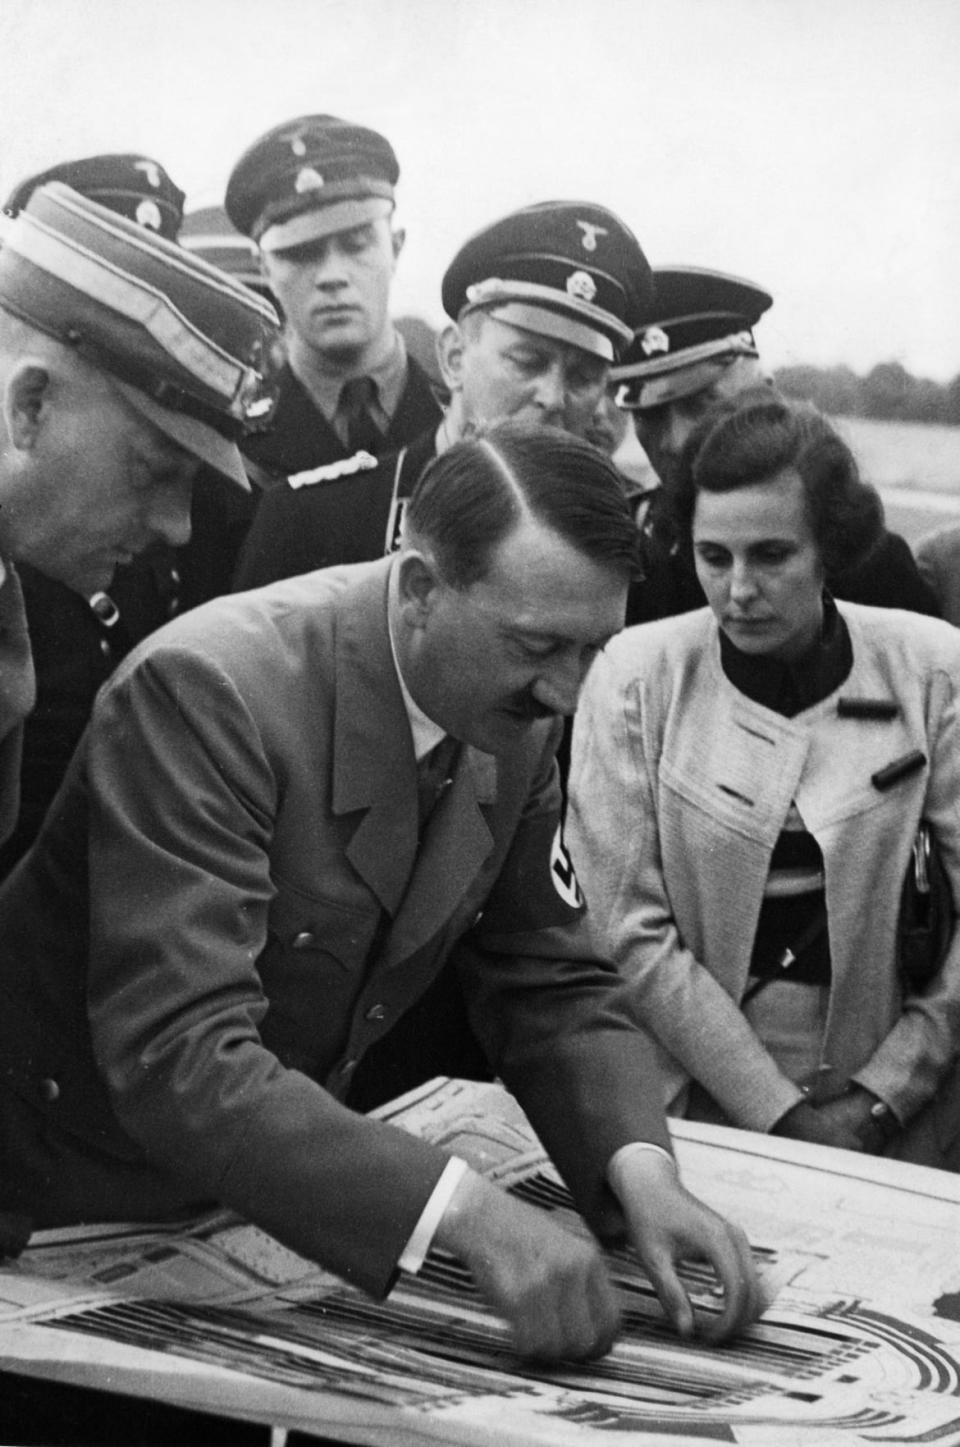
pixel 528 707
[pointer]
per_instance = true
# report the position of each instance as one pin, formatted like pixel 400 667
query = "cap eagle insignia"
pixel 590 234
pixel 295 141
pixel 151 171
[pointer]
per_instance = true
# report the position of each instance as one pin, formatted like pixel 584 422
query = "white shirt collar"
pixel 426 733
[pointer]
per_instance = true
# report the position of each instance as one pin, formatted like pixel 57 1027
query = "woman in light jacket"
pixel 746 785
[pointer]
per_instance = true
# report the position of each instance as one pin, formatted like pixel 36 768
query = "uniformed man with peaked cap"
pixel 126 366
pixel 698 348
pixel 540 304
pixel 77 641
pixel 132 185
pixel 565 269
pixel 316 194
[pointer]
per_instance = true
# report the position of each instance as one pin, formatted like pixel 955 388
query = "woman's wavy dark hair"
pixel 470 497
pixel 753 436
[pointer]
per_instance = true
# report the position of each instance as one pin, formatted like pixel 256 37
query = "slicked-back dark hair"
pixel 471 497
pixel 751 437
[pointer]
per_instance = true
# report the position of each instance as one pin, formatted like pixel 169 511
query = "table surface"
pixel 862 1342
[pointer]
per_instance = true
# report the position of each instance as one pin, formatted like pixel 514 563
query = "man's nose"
pixel 558 686
pixel 674 432
pixel 329 269
pixel 169 513
pixel 551 390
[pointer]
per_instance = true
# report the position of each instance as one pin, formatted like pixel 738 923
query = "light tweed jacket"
pixel 679 787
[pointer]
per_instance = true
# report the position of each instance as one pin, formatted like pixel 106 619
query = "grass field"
pixel 915 467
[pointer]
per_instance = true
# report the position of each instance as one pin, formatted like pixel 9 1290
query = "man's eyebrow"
pixel 359 233
pixel 540 635
pixel 526 344
pixel 519 634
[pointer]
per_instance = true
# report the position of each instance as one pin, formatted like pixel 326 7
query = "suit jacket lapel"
pixel 374 769
pixel 374 775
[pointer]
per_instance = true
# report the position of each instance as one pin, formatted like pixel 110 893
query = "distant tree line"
pixel 888 392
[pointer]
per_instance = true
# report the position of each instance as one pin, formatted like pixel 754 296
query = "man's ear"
pixel 418 583
pixel 398 240
pixel 450 349
pixel 25 401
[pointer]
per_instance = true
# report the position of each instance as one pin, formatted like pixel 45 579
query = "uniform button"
pixel 304 940
pixel 347 1067
pixel 105 648
pixel 105 609
pixel 49 1090
pixel 377 1012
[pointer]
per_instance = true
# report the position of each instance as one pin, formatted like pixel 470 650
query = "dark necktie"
pixel 356 399
pixel 433 775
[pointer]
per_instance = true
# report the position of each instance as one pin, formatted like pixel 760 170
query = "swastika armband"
pixel 537 887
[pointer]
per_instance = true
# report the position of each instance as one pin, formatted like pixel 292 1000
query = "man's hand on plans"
pixel 666 1223
pixel 552 1287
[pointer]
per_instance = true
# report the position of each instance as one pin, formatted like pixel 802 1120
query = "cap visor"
pixel 672 386
pixel 558 325
pixel 324 220
pixel 196 437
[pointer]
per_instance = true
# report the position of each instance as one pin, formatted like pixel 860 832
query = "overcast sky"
pixel 811 145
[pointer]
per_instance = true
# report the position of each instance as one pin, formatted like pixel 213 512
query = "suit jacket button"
pixel 304 940
pixel 377 1012
pixel 49 1091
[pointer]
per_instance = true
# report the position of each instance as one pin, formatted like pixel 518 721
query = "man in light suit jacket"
pixel 238 891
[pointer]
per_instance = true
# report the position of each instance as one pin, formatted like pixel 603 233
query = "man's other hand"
pixel 666 1223
pixel 552 1287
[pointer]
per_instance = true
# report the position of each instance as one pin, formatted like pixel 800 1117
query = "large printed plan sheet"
pixel 860 1345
